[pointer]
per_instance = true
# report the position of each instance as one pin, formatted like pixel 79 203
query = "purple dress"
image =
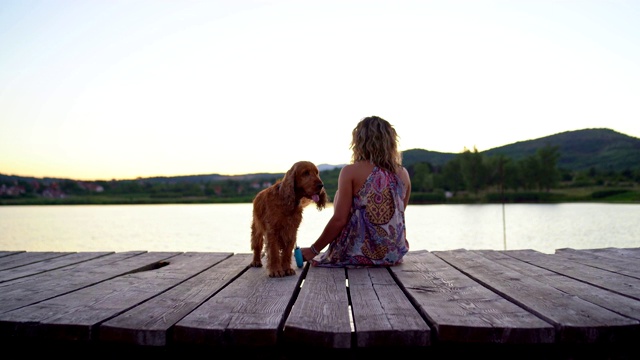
pixel 375 232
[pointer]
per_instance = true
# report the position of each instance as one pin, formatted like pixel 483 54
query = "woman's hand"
pixel 307 254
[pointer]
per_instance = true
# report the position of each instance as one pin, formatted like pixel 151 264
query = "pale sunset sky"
pixel 114 89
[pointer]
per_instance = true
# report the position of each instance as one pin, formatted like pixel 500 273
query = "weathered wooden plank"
pixel 576 320
pixel 248 312
pixel 461 310
pixel 632 254
pixel 26 291
pixel 382 314
pixel 48 265
pixel 613 281
pixel 149 323
pixel 635 252
pixel 615 302
pixel 320 316
pixel 74 316
pixel 26 258
pixel 625 266
pixel 10 253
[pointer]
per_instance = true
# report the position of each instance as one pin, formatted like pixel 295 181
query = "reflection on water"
pixel 226 227
pixel 542 227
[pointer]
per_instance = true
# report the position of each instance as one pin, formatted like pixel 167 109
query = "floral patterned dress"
pixel 375 232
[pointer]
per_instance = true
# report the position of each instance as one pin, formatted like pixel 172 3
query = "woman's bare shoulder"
pixel 403 174
pixel 358 168
pixel 356 173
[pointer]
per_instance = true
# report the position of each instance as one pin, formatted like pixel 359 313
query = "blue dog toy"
pixel 298 254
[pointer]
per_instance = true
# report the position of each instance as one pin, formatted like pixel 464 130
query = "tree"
pixel 529 168
pixel 422 177
pixel 473 170
pixel 548 174
pixel 452 178
pixel 496 167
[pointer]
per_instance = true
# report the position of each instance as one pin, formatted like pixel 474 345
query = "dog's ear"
pixel 288 188
pixel 324 199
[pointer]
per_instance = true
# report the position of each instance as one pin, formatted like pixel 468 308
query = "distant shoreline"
pixel 600 194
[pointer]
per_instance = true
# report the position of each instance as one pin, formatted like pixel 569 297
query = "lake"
pixel 226 227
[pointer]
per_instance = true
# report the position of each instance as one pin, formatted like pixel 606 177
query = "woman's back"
pixel 375 232
pixel 360 171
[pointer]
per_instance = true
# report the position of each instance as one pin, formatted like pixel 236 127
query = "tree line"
pixel 472 171
pixel 469 174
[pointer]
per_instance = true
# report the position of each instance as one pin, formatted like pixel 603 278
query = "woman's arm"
pixel 407 183
pixel 341 210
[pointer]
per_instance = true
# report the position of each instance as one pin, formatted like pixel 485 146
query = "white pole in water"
pixel 504 221
pixel 504 226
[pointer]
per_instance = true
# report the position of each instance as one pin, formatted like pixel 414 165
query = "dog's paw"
pixel 282 273
pixel 256 263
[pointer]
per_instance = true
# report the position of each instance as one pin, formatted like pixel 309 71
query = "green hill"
pixel 601 149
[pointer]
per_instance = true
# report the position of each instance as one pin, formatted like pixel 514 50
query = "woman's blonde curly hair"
pixel 374 139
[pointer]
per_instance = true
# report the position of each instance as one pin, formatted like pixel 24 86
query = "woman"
pixel 368 224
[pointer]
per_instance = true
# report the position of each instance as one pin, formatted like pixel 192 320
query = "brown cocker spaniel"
pixel 277 213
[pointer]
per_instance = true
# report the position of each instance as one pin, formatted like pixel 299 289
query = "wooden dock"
pixel 509 304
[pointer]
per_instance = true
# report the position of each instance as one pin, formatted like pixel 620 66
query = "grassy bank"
pixel 583 194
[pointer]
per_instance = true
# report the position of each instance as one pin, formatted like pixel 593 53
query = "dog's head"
pixel 302 184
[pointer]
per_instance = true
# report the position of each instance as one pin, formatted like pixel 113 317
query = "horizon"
pixel 320 165
pixel 123 90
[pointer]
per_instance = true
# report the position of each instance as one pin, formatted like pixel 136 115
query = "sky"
pixel 114 89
